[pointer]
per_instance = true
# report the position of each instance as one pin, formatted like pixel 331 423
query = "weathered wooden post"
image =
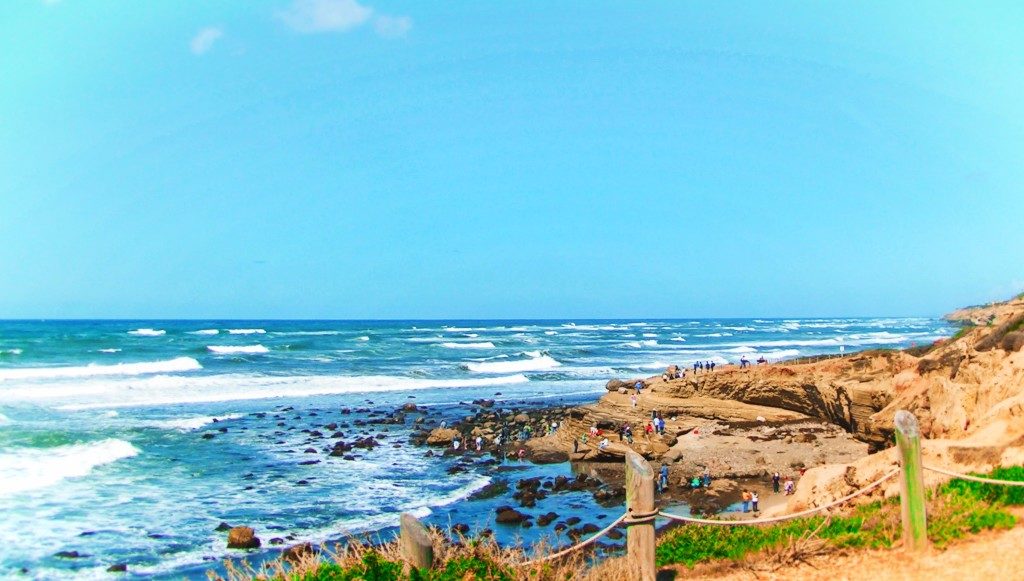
pixel 640 515
pixel 415 542
pixel 915 522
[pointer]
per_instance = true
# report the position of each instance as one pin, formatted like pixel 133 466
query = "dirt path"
pixel 990 555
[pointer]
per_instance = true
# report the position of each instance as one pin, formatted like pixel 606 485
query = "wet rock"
pixel 510 516
pixel 70 555
pixel 491 490
pixel 296 553
pixel 409 407
pixel 572 520
pixel 442 436
pixel 208 436
pixel 243 538
pixel 223 526
pixel 309 451
pixel 615 534
pixel 118 568
pixel 460 528
pixel 546 519
pixel 277 541
pixel 589 528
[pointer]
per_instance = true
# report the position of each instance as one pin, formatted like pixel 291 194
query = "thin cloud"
pixel 316 16
pixel 312 16
pixel 392 26
pixel 204 39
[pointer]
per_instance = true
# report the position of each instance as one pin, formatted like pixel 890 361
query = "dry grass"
pixel 579 565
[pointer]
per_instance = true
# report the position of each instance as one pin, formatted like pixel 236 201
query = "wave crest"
pixel 170 366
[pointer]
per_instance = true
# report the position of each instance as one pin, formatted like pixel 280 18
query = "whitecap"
pixel 205 332
pixel 110 350
pixel 550 332
pixel 146 332
pixel 171 390
pixel 541 363
pixel 188 424
pixel 23 469
pixel 237 349
pixel 169 366
pixel 479 345
pixel 678 338
pixel 15 351
pixel 363 338
pixel 246 331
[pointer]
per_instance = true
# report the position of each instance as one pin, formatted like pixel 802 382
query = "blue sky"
pixel 335 159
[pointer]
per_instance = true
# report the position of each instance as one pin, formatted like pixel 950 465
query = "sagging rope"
pixel 579 545
pixel 974 478
pixel 758 521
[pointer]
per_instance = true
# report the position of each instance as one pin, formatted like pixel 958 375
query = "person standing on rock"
pixel 632 400
pixel 639 385
pixel 479 444
pixel 753 500
pixel 455 444
pixel 663 478
pixel 746 500
pixel 707 477
pixel 775 482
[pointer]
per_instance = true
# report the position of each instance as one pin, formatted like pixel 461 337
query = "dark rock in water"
pixel 331 426
pixel 346 411
pixel 207 436
pixel 309 451
pixel 243 538
pixel 86 533
pixel 302 483
pixel 456 470
pixel 546 519
pixel 589 528
pixel 223 526
pixel 222 430
pixel 309 462
pixel 277 541
pixel 409 407
pixel 118 568
pixel 572 521
pixel 614 534
pixel 491 490
pixel 509 516
pixel 338 434
pixel 70 555
pixel 348 457
pixel 460 528
pixel 485 533
pixel 296 553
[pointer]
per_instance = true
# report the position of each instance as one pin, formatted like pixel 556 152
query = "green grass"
pixel 374 567
pixel 955 510
pixel 961 332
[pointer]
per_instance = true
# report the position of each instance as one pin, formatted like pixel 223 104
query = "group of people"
pixel 673 372
pixel 787 485
pixel 703 366
pixel 696 482
pixel 750 500
pixel 657 423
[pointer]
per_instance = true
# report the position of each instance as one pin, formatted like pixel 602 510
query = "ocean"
pixel 130 441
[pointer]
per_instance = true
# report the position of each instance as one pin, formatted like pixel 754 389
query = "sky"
pixel 388 159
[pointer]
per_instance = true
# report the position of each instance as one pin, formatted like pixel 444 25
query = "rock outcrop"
pixel 243 538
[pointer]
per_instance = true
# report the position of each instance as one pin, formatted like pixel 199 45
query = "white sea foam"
pixel 247 331
pixel 533 354
pixel 478 345
pixel 147 332
pixel 363 338
pixel 550 332
pixel 640 344
pixel 4 420
pixel 205 332
pixel 110 350
pixel 169 366
pixel 650 334
pixel 15 351
pixel 187 424
pixel 306 333
pixel 176 390
pixel 237 349
pixel 541 363
pixel 679 339
pixel 33 468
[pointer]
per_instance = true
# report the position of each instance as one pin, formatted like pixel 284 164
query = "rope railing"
pixel 760 521
pixel 623 518
pixel 981 479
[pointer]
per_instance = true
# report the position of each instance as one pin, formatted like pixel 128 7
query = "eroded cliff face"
pixel 968 396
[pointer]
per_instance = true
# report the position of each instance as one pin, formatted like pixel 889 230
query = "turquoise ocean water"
pixel 102 422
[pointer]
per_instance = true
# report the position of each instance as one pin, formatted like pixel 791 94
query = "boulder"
pixel 243 538
pixel 296 553
pixel 509 516
pixel 442 436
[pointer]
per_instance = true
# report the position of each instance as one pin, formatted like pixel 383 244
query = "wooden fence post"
pixel 417 548
pixel 640 515
pixel 915 522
